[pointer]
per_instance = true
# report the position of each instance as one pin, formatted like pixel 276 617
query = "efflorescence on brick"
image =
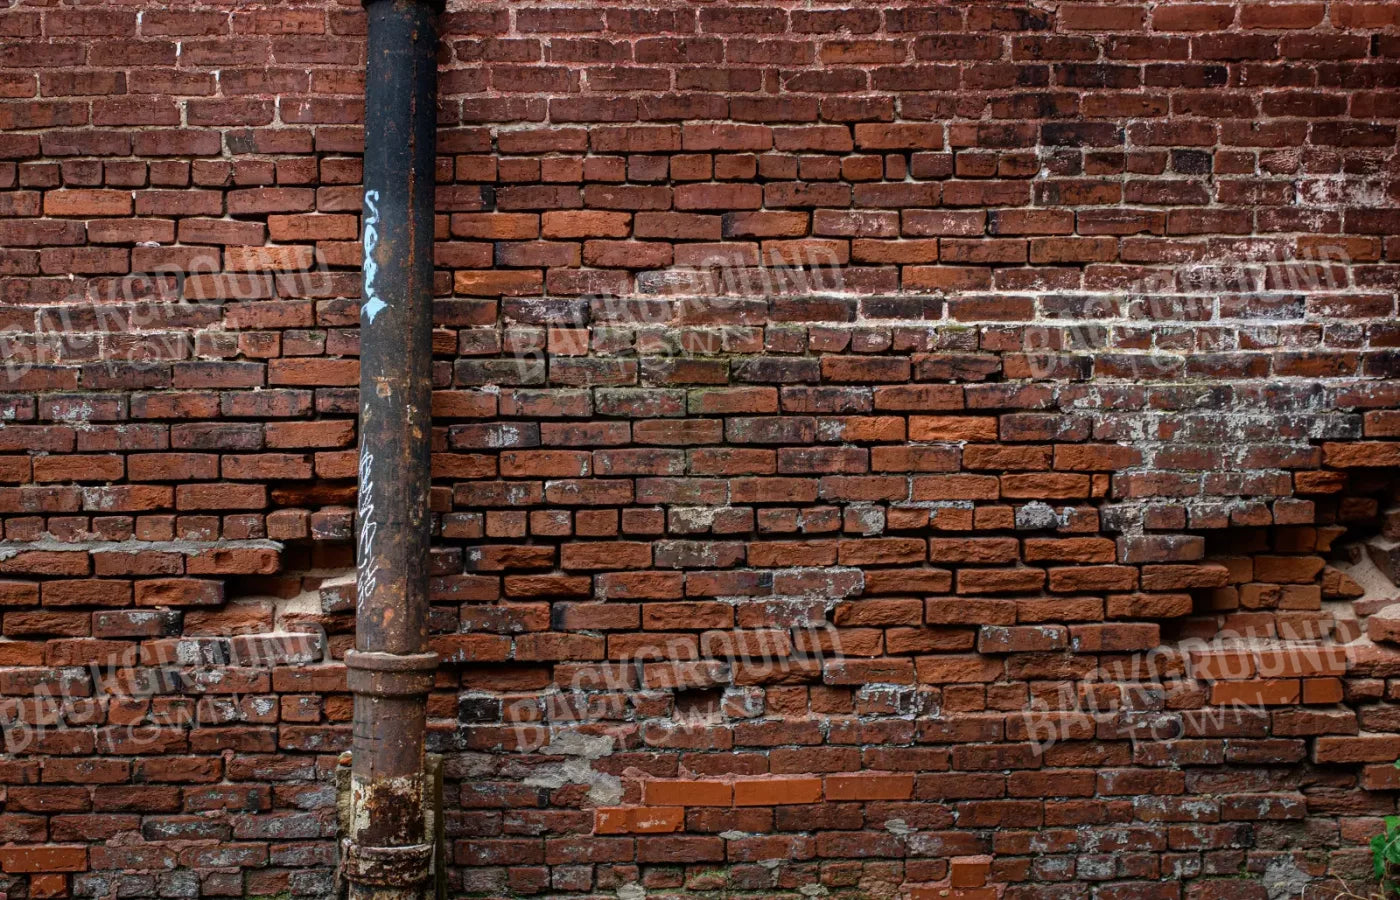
pixel 881 450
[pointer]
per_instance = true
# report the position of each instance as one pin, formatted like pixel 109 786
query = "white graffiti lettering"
pixel 373 305
pixel 367 573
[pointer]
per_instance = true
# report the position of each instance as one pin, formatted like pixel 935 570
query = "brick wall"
pixel 895 450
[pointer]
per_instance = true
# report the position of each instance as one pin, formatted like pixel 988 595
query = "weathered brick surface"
pixel 902 448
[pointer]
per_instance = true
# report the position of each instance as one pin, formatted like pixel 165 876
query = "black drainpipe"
pixel 387 853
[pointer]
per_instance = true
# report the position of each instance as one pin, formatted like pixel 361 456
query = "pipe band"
pixel 390 674
pixel 387 866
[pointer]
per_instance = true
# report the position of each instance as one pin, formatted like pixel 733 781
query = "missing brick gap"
pixel 1364 579
pixel 1349 613
pixel 699 705
pixel 1361 584
pixel 304 603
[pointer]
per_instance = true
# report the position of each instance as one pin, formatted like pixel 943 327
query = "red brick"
pixel 688 793
pixel 87 203
pixel 179 592
pixel 777 791
pixel 869 787
pixel 49 858
pixel 639 820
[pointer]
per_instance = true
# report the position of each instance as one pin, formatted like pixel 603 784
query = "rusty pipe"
pixel 390 671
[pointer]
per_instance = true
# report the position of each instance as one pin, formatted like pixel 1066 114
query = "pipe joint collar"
pixel 387 866
pixel 381 674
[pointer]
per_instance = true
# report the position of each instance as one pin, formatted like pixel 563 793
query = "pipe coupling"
pixel 390 674
pixel 387 866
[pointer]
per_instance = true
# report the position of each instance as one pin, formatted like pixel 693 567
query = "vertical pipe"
pixel 390 671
